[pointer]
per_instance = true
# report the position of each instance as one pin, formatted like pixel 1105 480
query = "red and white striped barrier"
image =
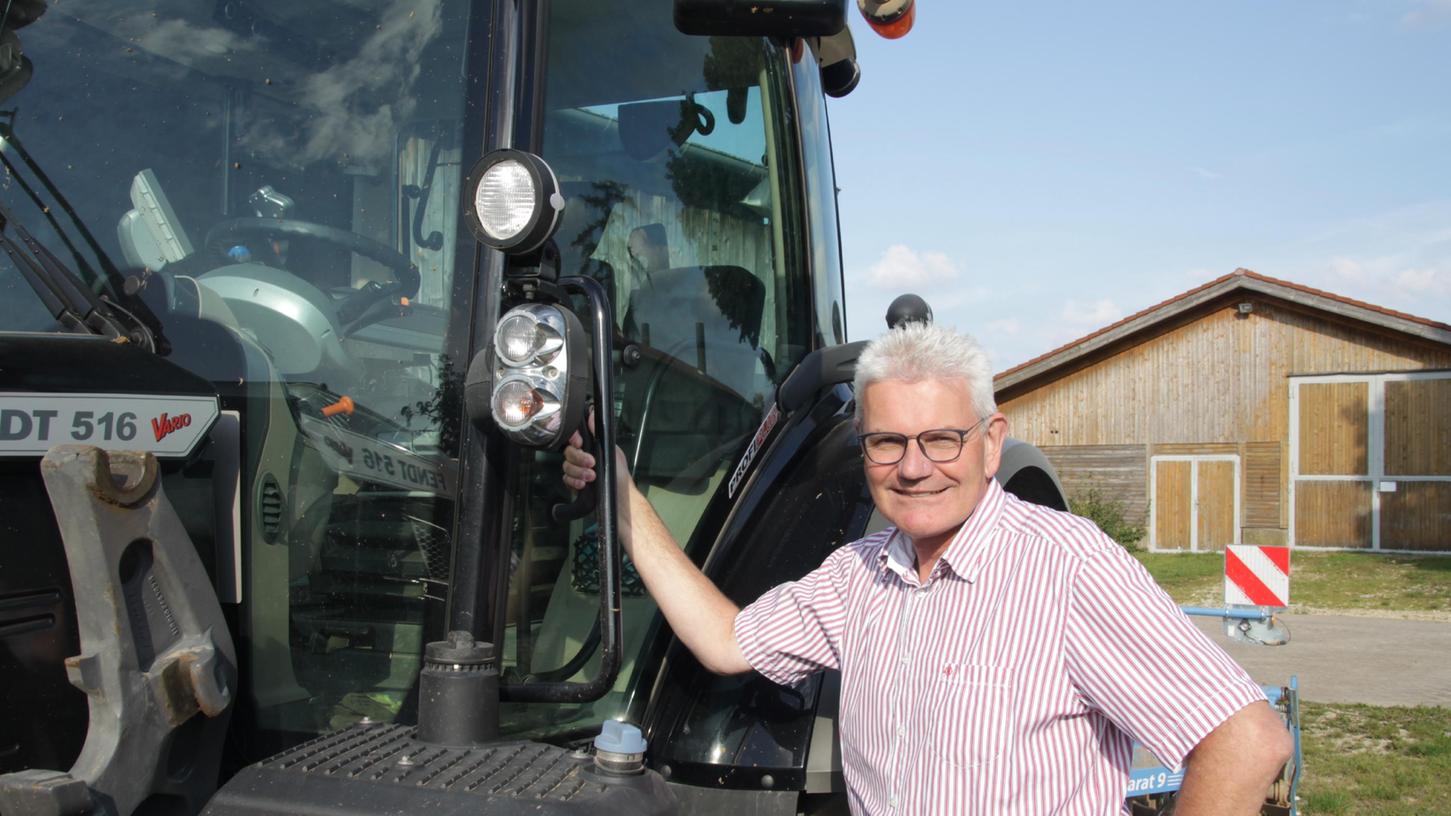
pixel 1257 576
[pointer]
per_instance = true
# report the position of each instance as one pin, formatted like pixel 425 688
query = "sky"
pixel 1038 170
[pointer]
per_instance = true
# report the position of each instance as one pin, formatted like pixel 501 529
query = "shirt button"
pixel 892 803
pixel 901 730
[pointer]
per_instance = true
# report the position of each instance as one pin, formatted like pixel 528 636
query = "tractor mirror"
pixel 762 18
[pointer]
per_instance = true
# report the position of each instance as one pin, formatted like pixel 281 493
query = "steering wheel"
pixel 353 308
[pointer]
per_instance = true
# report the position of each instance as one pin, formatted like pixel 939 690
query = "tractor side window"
pixel 675 173
pixel 820 174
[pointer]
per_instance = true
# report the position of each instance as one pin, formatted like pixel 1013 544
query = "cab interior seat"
pixel 708 319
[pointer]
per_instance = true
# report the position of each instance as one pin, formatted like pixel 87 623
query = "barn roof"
pixel 1240 280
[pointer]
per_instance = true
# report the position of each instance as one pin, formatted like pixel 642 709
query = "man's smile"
pixel 917 494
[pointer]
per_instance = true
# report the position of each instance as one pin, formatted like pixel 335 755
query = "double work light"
pixel 540 374
pixel 537 373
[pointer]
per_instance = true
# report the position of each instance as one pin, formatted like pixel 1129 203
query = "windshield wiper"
pixel 43 270
pixel 9 142
pixel 73 305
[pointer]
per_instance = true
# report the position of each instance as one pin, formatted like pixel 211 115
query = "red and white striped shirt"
pixel 1013 681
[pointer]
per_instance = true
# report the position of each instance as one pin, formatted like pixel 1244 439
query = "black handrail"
pixel 609 551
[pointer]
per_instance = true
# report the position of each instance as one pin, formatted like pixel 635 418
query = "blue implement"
pixel 1152 785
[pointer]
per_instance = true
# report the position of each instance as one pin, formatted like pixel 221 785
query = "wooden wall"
pixel 1221 378
pixel 1120 472
pixel 1115 471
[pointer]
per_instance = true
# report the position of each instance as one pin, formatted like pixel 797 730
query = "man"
pixel 996 657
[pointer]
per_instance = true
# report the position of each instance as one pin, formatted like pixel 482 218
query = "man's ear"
pixel 995 433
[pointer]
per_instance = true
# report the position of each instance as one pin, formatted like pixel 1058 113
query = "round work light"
pixel 505 199
pixel 512 201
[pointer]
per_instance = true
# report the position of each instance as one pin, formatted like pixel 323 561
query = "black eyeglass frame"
pixel 962 435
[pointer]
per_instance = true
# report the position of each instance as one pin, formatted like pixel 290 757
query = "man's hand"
pixel 579 467
pixel 702 617
pixel 579 472
pixel 579 464
pixel 1230 770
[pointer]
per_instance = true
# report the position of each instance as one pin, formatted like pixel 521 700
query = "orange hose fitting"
pixel 342 406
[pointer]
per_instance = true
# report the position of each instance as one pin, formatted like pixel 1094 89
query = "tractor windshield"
pixel 679 176
pixel 277 184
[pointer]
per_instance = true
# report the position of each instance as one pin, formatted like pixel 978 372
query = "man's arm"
pixel 701 615
pixel 1177 692
pixel 1230 770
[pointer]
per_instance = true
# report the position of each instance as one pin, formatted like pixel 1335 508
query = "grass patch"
pixel 1319 580
pixel 1190 578
pixel 1373 761
pixel 1365 581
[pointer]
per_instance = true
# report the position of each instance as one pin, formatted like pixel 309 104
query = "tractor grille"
pixel 433 543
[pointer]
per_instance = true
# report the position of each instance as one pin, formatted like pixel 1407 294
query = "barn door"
pixel 1171 508
pixel 1371 461
pixel 1195 504
pixel 1217 507
pixel 1331 481
pixel 1415 488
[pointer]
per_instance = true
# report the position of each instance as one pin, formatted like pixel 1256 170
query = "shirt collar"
pixel 898 557
pixel 965 554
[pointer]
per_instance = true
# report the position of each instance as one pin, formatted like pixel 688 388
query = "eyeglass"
pixel 939 445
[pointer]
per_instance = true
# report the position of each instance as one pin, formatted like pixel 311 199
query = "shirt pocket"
pixel 972 711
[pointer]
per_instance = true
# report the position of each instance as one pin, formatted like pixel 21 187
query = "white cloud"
pixel 1100 312
pixel 1075 319
pixel 1424 281
pixel 1205 173
pixel 1428 13
pixel 1416 281
pixel 181 41
pixel 1007 327
pixel 1347 269
pixel 359 104
pixel 902 267
pixel 1399 259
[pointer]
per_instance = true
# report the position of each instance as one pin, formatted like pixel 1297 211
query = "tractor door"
pixel 679 168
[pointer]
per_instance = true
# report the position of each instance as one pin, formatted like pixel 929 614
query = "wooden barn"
pixel 1253 410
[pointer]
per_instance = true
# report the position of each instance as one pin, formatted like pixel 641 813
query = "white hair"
pixel 923 351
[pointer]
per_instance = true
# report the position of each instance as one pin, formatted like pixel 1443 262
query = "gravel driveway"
pixel 1352 659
